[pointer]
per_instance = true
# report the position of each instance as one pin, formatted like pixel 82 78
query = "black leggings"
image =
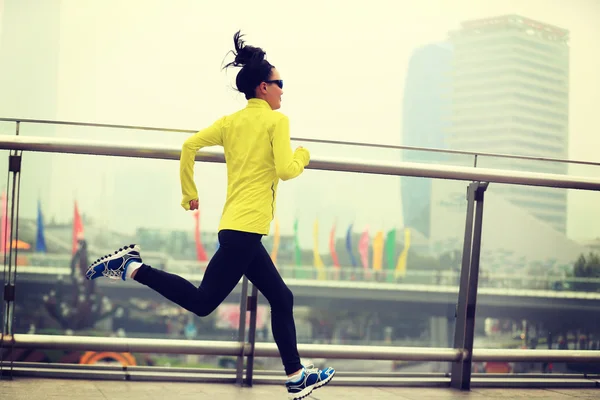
pixel 239 253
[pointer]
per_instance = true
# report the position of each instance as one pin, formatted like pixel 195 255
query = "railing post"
pixel 467 295
pixel 13 189
pixel 242 332
pixel 253 308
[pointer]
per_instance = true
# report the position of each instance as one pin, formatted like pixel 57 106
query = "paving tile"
pixel 353 393
pixel 432 393
pixel 575 393
pixel 499 393
pixel 54 389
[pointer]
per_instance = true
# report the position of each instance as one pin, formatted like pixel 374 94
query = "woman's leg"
pixel 236 252
pixel 265 276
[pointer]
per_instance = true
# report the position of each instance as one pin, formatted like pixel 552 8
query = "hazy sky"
pixel 157 63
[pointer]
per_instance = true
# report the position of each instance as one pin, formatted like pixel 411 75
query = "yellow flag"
pixel 401 265
pixel 319 265
pixel 276 240
pixel 378 251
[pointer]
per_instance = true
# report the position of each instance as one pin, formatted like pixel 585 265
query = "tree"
pixel 586 268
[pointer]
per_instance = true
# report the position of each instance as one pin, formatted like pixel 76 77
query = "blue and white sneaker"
pixel 114 266
pixel 312 378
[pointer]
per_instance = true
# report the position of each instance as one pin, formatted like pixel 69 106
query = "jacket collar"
pixel 258 103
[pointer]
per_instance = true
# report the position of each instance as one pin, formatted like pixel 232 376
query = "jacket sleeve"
pixel 288 164
pixel 210 136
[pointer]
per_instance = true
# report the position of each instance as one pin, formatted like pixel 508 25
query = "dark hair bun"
pixel 255 69
pixel 245 54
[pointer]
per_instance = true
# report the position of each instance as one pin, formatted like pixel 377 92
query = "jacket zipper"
pixel 273 200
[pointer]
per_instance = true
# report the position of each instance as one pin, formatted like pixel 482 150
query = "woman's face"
pixel 272 90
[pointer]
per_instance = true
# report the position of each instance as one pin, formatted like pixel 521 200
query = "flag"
pixel 276 240
pixel 77 228
pixel 378 251
pixel 200 252
pixel 297 253
pixel 318 262
pixel 334 256
pixel 5 226
pixel 401 265
pixel 40 241
pixel 363 248
pixel 390 251
pixel 349 245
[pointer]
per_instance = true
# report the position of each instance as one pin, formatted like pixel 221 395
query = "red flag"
pixel 334 256
pixel 363 248
pixel 77 227
pixel 200 253
pixel 4 226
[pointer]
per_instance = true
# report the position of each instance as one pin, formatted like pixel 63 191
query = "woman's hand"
pixel 193 205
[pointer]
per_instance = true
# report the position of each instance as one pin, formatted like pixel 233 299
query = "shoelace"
pixel 311 368
pixel 112 273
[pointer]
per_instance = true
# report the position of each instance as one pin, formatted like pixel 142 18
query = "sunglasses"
pixel 278 82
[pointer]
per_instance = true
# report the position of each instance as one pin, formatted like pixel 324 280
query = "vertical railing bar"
pixel 242 332
pixel 253 308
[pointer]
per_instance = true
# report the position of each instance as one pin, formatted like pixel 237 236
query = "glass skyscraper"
pixel 424 124
pixel 510 94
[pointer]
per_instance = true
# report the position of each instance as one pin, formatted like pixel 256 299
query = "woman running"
pixel 256 143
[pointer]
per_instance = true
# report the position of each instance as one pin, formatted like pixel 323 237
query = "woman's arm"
pixel 210 136
pixel 288 164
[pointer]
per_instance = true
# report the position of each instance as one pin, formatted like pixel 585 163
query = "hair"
pixel 255 69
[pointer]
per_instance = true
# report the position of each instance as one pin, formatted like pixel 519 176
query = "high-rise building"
pixel 510 95
pixel 423 125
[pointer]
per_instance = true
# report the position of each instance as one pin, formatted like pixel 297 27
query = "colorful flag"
pixel 363 248
pixel 297 253
pixel 200 252
pixel 318 262
pixel 5 226
pixel 276 240
pixel 334 256
pixel 401 265
pixel 77 228
pixel 378 251
pixel 390 252
pixel 40 241
pixel 349 245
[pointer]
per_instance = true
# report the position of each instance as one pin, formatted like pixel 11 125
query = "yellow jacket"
pixel 256 142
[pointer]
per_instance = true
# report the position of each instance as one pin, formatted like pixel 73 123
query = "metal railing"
pixel 558 284
pixel 475 154
pixel 166 152
pixel 385 353
pixel 188 269
pixel 462 355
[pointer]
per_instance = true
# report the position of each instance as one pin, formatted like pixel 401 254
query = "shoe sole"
pixel 302 394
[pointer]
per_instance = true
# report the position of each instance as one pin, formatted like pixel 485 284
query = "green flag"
pixel 390 253
pixel 297 254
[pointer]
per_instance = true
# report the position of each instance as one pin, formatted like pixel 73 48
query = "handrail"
pixel 383 353
pixel 335 275
pixel 311 140
pixel 439 171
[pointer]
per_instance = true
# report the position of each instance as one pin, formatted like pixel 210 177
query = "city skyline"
pixel 122 71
